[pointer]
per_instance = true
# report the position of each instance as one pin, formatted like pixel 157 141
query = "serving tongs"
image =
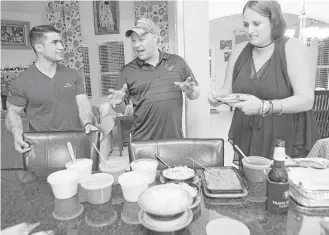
pixel 316 165
pixel 205 168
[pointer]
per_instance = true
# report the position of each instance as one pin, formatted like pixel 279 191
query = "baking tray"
pixel 223 195
pixel 307 202
pixel 311 194
pixel 225 191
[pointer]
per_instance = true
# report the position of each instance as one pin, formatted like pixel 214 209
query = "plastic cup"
pixel 133 184
pixel 98 187
pixel 255 169
pixel 146 166
pixel 64 183
pixel 82 165
pixel 114 166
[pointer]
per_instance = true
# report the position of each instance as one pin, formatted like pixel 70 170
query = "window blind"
pixel 111 58
pixel 86 69
pixel 322 70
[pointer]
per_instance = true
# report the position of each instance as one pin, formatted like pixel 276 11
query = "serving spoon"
pixel 161 160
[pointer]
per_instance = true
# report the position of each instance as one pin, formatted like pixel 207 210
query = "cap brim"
pixel 136 30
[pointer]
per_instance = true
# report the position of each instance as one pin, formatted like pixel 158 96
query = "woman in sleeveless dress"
pixel 275 81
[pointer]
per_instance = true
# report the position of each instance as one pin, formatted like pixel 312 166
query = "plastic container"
pixel 98 187
pixel 133 184
pixel 146 166
pixel 82 165
pixel 114 166
pixel 255 169
pixel 64 183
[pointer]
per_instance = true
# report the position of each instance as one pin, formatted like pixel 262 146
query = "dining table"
pixel 31 200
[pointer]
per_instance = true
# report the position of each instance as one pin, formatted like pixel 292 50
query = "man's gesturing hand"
pixel 116 96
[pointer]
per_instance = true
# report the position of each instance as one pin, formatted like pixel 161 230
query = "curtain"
pixel 64 16
pixel 158 12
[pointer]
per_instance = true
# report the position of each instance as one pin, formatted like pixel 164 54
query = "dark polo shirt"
pixel 49 103
pixel 157 101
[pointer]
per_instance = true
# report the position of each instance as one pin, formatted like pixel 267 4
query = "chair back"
pixel 49 150
pixel 321 111
pixel 208 152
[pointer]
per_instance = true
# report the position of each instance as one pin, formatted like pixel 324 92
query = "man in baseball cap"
pixel 153 82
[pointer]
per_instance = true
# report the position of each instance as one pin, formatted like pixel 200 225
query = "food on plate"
pixel 167 199
pixel 179 173
pixel 227 97
pixel 222 179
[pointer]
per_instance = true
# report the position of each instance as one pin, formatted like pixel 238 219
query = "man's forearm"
pixel 86 114
pixel 14 124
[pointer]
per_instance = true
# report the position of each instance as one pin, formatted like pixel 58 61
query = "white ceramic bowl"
pixel 116 166
pixel 165 200
pixel 147 166
pixel 133 184
pixel 64 183
pixel 226 226
pixel 98 187
pixel 82 165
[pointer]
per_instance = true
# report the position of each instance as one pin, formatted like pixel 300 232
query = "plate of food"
pixel 230 98
pixel 178 174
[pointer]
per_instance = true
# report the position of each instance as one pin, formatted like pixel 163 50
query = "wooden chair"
pixel 321 111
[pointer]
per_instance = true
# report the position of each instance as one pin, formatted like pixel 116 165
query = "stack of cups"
pixel 64 184
pixel 83 166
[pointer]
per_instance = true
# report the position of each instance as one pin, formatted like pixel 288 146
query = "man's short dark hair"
pixel 38 34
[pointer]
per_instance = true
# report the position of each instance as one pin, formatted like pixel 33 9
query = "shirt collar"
pixel 162 56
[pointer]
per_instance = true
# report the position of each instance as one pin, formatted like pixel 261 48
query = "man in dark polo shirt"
pixel 52 95
pixel 154 82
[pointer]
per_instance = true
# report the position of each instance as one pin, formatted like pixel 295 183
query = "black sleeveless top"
pixel 255 134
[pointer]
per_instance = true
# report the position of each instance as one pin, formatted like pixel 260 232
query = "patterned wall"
pixel 158 12
pixel 64 16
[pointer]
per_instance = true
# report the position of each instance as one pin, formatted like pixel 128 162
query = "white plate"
pixel 226 226
pixel 166 226
pixel 195 181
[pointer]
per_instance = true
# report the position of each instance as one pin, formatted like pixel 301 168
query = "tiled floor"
pixel 220 122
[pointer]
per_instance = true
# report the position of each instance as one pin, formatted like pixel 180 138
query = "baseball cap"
pixel 144 26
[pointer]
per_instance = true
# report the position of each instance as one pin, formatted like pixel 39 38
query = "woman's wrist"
pixel 278 107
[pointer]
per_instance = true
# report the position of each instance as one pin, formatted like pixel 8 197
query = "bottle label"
pixel 277 197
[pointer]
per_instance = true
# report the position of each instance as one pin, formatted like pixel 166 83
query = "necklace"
pixel 265 45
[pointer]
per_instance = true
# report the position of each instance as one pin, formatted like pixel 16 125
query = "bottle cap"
pixel 280 143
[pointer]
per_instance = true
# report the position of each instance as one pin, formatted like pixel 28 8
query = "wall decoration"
pixel 106 17
pixel 14 34
pixel 158 12
pixel 65 16
pixel 225 44
pixel 227 56
pixel 239 36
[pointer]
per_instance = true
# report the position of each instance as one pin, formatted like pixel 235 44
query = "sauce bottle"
pixel 277 183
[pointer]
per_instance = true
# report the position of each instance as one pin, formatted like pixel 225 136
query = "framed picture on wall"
pixel 14 34
pixel 227 56
pixel 106 17
pixel 225 44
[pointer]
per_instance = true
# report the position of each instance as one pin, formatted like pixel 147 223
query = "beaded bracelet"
pixel 282 111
